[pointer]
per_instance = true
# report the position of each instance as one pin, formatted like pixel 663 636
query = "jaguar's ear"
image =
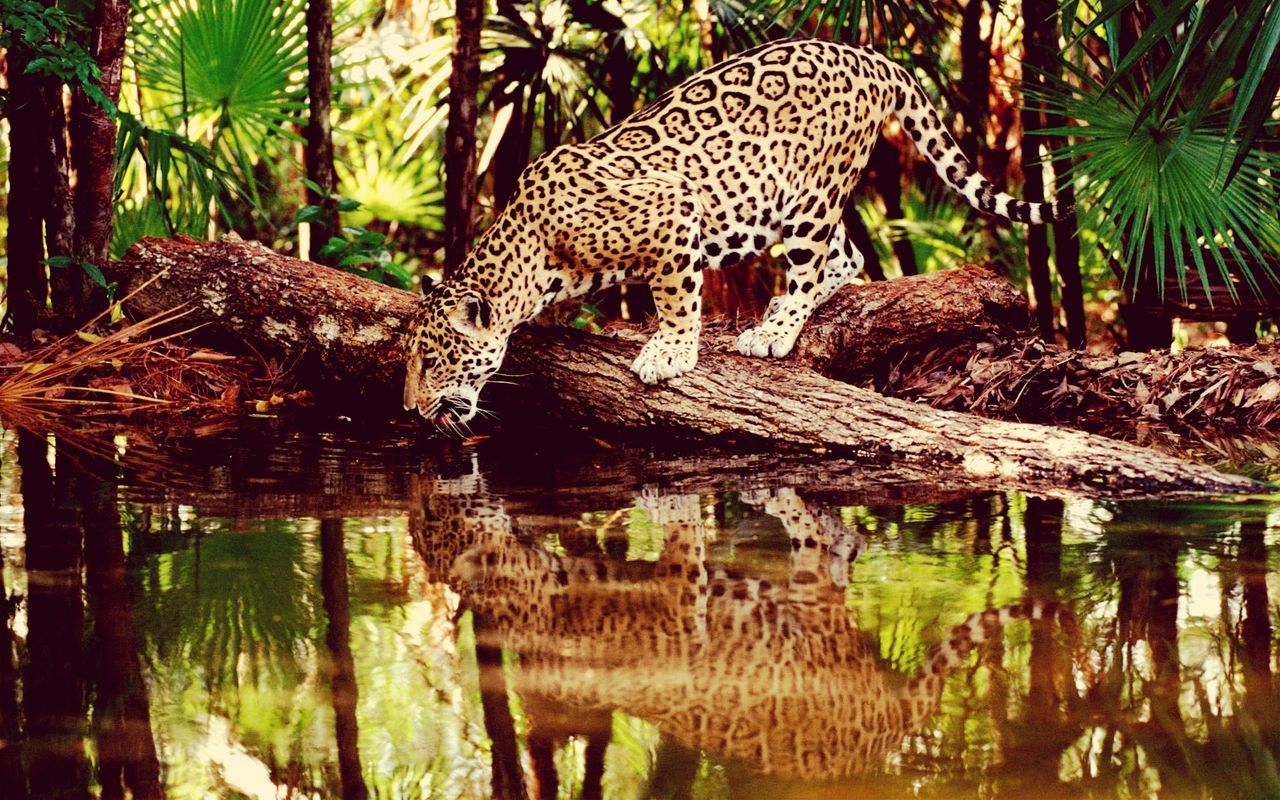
pixel 472 315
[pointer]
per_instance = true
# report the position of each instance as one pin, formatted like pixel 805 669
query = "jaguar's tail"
pixel 921 694
pixel 921 121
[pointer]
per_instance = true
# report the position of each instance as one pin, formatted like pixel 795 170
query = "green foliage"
pixel 90 270
pixel 391 187
pixel 1203 44
pixel 177 178
pixel 899 21
pixel 1154 192
pixel 358 250
pixel 225 73
pixel 45 32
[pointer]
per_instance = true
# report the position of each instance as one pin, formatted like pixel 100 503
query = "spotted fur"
pixel 763 148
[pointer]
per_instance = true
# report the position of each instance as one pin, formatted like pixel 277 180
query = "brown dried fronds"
pixel 48 374
pixel 142 365
pixel 1200 388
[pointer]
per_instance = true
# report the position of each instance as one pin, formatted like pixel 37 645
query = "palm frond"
pixel 1154 192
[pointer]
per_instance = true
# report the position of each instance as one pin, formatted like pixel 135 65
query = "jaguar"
pixel 762 149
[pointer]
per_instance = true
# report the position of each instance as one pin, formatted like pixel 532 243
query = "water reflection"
pixel 447 625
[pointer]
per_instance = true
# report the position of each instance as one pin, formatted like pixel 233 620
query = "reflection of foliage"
pixel 234 606
pixel 234 636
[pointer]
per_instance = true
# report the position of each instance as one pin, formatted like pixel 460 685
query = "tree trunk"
pixel 975 79
pixel 888 183
pixel 460 133
pixel 319 151
pixel 54 704
pixel 861 237
pixel 126 749
pixel 28 289
pixel 58 207
pixel 93 135
pixel 352 333
pixel 1040 45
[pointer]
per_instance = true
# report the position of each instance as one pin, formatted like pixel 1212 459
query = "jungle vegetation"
pixel 379 135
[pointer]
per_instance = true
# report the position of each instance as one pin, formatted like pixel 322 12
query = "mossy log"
pixel 342 331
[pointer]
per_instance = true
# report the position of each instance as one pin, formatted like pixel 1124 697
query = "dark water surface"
pixel 269 614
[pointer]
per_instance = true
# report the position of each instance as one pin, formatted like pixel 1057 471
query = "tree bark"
pixel 127 759
pixel 975 79
pixel 28 289
pixel 460 133
pixel 857 230
pixel 1040 42
pixel 344 693
pixel 319 150
pixel 59 202
pixel 343 330
pixel 93 135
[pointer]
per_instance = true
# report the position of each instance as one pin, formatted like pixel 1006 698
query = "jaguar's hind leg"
pixel 808 243
pixel 844 265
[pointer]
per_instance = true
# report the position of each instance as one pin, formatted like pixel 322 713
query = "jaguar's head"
pixel 456 346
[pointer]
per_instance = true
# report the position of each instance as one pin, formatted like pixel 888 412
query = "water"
pixel 267 614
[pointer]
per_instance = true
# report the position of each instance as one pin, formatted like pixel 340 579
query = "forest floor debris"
pixel 1205 388
pixel 120 369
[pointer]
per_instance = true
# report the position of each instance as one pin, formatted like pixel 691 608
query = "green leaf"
pixel 94 273
pixel 308 214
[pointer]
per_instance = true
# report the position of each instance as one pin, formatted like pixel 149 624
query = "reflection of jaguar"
pixel 770 673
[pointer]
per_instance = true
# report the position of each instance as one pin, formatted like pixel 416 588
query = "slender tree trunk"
pixel 460 133
pixel 1042 522
pixel 1256 630
pixel 58 205
pixel 319 152
pixel 1040 43
pixel 1066 242
pixel 28 289
pixel 11 775
pixel 93 135
pixel 344 694
pixel 861 237
pixel 512 153
pixel 975 78
pixel 508 776
pixel 888 182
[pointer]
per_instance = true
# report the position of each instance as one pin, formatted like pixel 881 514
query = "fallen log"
pixel 341 329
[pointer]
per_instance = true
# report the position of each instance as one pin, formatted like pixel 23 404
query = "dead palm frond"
pixel 48 376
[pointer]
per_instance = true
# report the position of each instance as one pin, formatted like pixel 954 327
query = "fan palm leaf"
pixel 1154 191
pixel 226 72
pixel 1206 42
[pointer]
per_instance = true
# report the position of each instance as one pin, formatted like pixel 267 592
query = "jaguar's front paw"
pixel 766 340
pixel 662 359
